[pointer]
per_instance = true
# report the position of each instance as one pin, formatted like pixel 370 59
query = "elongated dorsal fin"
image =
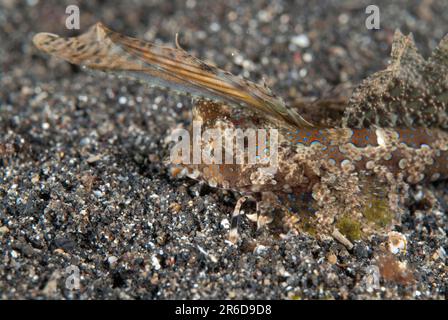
pixel 410 92
pixel 103 49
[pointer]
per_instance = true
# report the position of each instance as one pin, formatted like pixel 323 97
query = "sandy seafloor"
pixel 82 179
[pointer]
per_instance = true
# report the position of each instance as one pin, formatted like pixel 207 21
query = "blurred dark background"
pixel 258 35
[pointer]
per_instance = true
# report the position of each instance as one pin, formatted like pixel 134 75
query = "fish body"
pixel 394 133
pixel 418 155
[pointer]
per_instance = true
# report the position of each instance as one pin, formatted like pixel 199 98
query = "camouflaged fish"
pixel 346 181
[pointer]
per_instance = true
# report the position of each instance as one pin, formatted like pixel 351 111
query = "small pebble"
pixel 301 40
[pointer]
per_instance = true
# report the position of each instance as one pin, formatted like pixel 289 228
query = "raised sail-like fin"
pixel 103 49
pixel 440 55
pixel 410 92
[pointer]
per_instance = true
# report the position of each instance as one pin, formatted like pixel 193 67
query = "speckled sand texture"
pixel 82 178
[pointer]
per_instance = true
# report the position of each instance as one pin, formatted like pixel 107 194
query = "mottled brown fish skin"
pixel 419 155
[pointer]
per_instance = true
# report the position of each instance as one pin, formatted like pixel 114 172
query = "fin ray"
pixel 103 49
